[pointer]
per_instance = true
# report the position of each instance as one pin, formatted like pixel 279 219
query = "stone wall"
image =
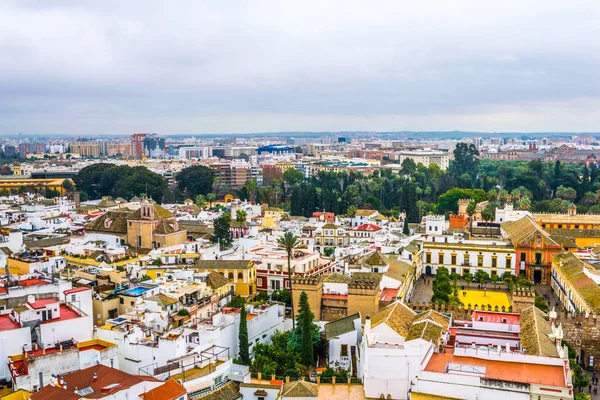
pixel 313 288
pixel 333 309
pixel 521 299
pixel 582 333
pixel 363 298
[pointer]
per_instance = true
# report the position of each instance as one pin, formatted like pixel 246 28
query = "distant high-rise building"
pixel 154 146
pixel 10 151
pixel 137 145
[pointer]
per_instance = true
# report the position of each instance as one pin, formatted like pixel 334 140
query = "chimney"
pixel 367 329
pixel 94 377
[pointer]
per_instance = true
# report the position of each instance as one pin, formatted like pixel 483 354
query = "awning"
pixel 199 386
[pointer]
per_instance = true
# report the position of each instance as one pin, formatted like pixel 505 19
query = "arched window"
pixel 231 275
pixel 240 276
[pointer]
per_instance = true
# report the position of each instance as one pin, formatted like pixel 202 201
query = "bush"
pixel 183 312
pixel 292 373
pixel 541 303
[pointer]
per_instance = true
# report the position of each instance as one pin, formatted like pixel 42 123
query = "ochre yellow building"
pixel 35 184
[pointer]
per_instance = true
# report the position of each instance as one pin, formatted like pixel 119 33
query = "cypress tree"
pixel 305 323
pixel 243 338
pixel 405 228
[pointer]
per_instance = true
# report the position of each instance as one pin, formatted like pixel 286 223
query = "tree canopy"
pixel 195 180
pixel 104 179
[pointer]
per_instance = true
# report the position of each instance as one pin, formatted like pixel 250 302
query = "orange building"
pixel 324 216
pixel 535 248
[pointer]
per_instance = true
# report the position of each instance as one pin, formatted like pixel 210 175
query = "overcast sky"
pixel 87 67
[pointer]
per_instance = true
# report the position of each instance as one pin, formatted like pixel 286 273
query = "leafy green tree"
pixel 67 185
pixel 448 202
pixel 465 159
pixel 580 378
pixel 409 167
pixel 221 231
pixel 467 276
pixel 200 201
pixel 292 176
pixel 243 338
pixel 237 302
pixel 195 180
pixel 442 289
pixel 103 179
pixel 240 215
pixel 288 242
pixel 282 296
pixel 409 202
pixel 277 357
pixel 481 276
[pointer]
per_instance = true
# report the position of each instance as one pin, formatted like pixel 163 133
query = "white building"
pixel 461 256
pixel 508 213
pixel 425 157
pixel 397 342
pixel 342 337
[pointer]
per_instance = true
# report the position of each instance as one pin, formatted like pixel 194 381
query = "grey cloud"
pixel 80 67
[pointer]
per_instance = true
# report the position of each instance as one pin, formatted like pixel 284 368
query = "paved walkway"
pixel 422 292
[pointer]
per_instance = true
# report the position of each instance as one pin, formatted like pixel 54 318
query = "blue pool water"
pixel 136 291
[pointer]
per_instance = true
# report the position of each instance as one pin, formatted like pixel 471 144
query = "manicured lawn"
pixel 480 297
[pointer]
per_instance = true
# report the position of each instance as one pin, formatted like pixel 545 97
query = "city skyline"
pixel 220 69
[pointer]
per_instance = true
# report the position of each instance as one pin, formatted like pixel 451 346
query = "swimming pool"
pixel 136 291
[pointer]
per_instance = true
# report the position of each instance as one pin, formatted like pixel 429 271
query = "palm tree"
pixel 251 186
pixel 240 215
pixel 288 242
pixel 211 197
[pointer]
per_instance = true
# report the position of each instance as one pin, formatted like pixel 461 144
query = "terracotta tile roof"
pixel 108 382
pixel 376 259
pixel 301 389
pixel 525 230
pixel 341 326
pixel 159 213
pixel 337 278
pixel 224 264
pixel 163 300
pixel 229 391
pixel 398 316
pixel 118 222
pixel 215 280
pixel 572 269
pixel 535 333
pixel 50 392
pixel 170 390
pixel 410 325
pixel 365 213
pixel 426 330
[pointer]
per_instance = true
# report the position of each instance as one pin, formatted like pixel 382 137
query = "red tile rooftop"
pixel 388 294
pixel 65 314
pixel 42 303
pixel 7 324
pixel 501 370
pixel 32 282
pixel 77 290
